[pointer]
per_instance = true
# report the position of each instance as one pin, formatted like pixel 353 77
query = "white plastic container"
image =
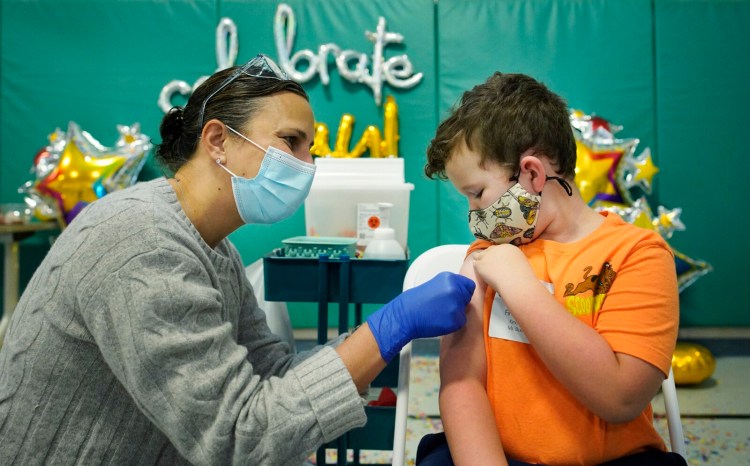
pixel 384 246
pixel 341 184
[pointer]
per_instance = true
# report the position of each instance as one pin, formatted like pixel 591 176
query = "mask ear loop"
pixel 565 185
pixel 218 162
pixel 245 137
pixel 562 182
pixel 517 175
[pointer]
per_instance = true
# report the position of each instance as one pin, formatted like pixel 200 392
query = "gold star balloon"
pixel 134 145
pixel 606 169
pixel 640 171
pixel 667 221
pixel 639 213
pixel 688 269
pixel 664 222
pixel 598 169
pixel 85 170
pixel 593 128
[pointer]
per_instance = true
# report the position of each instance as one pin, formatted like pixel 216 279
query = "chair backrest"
pixel 445 258
pixel 672 410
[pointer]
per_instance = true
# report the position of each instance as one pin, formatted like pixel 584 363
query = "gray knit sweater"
pixel 136 343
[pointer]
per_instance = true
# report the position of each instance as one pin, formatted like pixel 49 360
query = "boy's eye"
pixel 289 140
pixel 478 194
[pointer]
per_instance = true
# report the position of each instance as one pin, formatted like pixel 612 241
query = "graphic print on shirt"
pixel 598 284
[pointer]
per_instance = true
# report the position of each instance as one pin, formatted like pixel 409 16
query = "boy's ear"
pixel 213 138
pixel 535 168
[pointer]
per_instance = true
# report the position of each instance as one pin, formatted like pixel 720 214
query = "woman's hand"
pixel 434 308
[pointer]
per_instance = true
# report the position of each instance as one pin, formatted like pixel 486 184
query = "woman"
pixel 139 340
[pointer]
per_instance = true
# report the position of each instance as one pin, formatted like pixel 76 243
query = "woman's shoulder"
pixel 137 213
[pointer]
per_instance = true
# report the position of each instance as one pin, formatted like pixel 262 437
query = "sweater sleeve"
pixel 159 324
pixel 268 354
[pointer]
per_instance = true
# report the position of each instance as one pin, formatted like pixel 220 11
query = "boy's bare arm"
pixel 614 386
pixel 464 406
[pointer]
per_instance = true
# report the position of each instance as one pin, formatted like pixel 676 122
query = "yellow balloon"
pixel 74 179
pixel 592 170
pixel 344 136
pixel 692 363
pixel 320 145
pixel 379 144
pixel 370 140
pixel 390 129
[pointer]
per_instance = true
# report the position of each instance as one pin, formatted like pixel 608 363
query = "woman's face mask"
pixel 277 191
pixel 512 218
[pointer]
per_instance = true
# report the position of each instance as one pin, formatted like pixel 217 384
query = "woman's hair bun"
pixel 171 130
pixel 173 121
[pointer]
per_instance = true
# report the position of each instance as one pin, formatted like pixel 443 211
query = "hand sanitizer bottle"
pixel 383 244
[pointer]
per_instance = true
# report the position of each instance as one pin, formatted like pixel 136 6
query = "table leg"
pixel 10 284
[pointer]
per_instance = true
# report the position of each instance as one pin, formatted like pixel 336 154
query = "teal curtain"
pixel 672 73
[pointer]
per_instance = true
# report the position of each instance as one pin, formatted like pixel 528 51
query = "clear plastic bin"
pixel 340 185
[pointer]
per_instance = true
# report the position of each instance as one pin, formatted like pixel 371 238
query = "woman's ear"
pixel 213 138
pixel 535 168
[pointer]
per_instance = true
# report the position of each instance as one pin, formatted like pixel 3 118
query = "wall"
pixel 672 73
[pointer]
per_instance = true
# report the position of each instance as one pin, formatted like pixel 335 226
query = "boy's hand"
pixel 501 265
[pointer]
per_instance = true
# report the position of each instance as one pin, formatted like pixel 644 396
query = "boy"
pixel 571 329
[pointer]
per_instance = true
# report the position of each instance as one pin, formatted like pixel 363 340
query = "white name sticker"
pixel 502 323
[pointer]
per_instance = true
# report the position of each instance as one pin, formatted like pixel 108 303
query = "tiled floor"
pixel 715 414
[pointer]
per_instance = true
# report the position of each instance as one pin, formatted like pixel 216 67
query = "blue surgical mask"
pixel 277 191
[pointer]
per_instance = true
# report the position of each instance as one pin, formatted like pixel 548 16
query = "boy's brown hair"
pixel 501 119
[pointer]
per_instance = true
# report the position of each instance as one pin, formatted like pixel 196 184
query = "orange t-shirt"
pixel 634 305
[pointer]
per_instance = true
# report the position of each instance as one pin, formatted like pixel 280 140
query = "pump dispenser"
pixel 383 244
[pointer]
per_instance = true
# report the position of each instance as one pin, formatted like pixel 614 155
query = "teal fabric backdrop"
pixel 673 73
pixel 702 99
pixel 597 54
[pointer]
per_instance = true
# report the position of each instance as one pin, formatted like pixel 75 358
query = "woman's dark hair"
pixel 234 105
pixel 501 119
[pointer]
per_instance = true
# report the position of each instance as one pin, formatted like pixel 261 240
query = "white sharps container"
pixel 342 184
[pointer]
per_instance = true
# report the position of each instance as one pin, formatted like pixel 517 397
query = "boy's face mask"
pixel 512 218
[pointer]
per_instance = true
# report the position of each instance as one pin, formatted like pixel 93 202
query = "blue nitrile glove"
pixel 434 308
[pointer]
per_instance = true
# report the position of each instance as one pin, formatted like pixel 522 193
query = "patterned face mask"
pixel 512 218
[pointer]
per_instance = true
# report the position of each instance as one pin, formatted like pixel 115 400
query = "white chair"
pixel 672 410
pixel 444 258
pixel 449 258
